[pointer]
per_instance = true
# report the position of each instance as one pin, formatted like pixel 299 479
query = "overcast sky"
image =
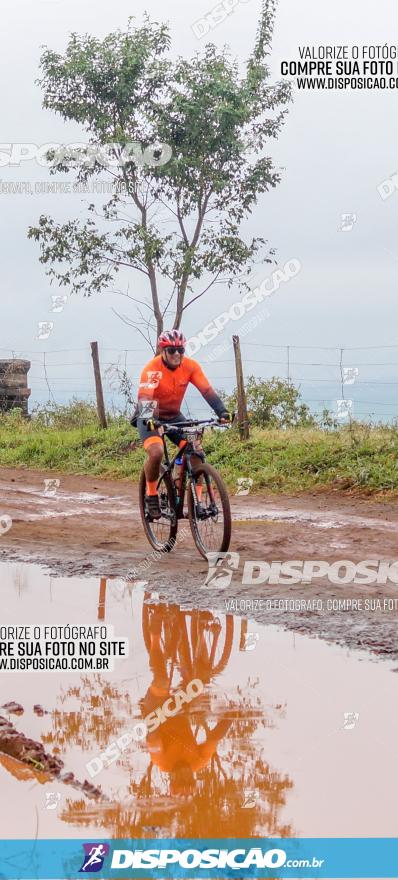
pixel 336 148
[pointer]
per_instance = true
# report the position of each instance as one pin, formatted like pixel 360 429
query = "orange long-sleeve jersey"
pixel 166 386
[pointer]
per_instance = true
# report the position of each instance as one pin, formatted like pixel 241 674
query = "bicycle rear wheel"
pixel 211 530
pixel 161 533
pixel 219 636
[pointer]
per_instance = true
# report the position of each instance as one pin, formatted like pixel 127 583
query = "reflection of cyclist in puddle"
pixel 173 746
pixel 211 791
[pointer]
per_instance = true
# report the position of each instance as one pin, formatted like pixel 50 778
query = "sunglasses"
pixel 173 349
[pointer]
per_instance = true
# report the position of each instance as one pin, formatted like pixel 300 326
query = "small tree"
pixel 274 403
pixel 178 221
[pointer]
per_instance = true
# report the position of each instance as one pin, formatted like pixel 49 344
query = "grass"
pixel 67 439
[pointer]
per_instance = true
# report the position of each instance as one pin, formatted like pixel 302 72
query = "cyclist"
pixel 163 383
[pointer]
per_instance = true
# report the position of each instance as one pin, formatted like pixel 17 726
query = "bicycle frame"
pixel 187 471
pixel 198 482
pixel 187 452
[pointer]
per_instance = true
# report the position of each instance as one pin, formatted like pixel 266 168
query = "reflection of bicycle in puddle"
pixel 183 646
pixel 196 643
pixel 204 776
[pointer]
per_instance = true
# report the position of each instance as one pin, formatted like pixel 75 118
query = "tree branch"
pixel 192 246
pixel 201 294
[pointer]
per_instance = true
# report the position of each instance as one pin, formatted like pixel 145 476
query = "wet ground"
pixel 294 733
pixel 291 736
pixel 91 526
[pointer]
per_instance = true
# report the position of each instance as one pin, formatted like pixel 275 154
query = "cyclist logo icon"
pixel 95 854
pixel 221 569
pixel 244 485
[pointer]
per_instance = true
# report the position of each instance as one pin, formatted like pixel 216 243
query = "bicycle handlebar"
pixel 187 424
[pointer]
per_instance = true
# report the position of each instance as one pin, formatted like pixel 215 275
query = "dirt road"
pixel 92 526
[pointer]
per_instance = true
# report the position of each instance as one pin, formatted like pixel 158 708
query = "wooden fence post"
pixel 243 420
pixel 102 599
pixel 98 385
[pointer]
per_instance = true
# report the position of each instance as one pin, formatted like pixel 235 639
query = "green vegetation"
pixel 356 458
pixel 183 135
pixel 273 403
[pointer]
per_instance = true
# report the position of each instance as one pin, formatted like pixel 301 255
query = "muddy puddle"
pixel 43 502
pixel 289 736
pixel 39 502
pixel 317 519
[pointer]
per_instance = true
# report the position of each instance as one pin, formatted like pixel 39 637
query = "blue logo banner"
pixel 315 857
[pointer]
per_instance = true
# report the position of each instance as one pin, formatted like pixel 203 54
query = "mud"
pixel 92 527
pixel 279 722
pixel 13 708
pixel 27 754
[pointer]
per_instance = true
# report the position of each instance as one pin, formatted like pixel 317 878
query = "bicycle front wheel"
pixel 210 521
pixel 161 533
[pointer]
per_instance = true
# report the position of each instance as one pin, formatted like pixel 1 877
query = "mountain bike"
pixel 196 643
pixel 208 510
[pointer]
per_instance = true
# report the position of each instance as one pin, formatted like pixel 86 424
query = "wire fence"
pixel 362 379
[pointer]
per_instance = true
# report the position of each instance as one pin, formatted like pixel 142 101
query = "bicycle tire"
pixel 228 642
pixel 163 546
pixel 208 471
pixel 172 616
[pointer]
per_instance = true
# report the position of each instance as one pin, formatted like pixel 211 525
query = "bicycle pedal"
pixel 151 519
pixel 152 515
